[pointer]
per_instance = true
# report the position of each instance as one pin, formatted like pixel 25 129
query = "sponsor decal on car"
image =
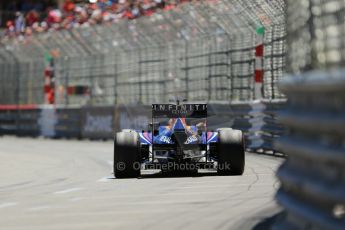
pixel 165 139
pixel 191 139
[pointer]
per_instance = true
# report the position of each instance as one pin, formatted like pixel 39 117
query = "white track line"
pixel 106 179
pixel 75 199
pixel 38 208
pixel 68 190
pixel 9 204
pixel 111 163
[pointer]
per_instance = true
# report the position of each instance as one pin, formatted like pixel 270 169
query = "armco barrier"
pixel 271 128
pixel 313 177
pixel 27 124
pixel 19 120
pixel 68 123
pixel 256 115
pixel 97 122
pixel 256 119
pixel 8 122
pixel 240 115
pixel 223 115
pixel 47 121
pixel 132 117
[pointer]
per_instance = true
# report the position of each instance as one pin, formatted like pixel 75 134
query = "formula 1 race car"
pixel 178 139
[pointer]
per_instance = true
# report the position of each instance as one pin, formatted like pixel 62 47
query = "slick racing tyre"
pixel 230 152
pixel 126 155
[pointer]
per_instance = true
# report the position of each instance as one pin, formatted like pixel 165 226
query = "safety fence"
pixel 201 51
pixel 102 122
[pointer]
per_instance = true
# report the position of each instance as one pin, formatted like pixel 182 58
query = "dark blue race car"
pixel 178 139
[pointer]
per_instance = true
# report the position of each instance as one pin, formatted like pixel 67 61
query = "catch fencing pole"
pixel 259 53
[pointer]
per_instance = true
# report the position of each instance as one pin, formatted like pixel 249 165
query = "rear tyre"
pixel 231 155
pixel 127 155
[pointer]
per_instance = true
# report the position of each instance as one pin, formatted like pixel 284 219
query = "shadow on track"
pixel 263 219
pixel 173 174
pixel 269 222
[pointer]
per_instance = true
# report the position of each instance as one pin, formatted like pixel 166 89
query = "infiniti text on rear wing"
pixel 177 111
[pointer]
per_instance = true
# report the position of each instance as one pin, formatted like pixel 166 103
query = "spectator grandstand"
pixel 38 18
pixel 198 50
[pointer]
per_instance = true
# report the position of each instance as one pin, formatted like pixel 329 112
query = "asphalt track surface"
pixel 68 184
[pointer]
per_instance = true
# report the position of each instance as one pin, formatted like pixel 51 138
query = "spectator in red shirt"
pixel 31 18
pixel 68 6
pixel 10 30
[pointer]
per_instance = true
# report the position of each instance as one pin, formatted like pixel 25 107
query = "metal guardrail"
pixel 102 122
pixel 258 121
pixel 272 128
pixel 8 123
pixel 68 123
pixel 312 179
pixel 312 190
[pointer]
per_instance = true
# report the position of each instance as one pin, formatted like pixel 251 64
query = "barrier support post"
pixel 259 62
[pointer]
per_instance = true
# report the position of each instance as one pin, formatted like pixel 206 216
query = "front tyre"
pixel 230 151
pixel 127 155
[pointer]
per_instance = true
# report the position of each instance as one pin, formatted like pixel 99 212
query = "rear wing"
pixel 179 111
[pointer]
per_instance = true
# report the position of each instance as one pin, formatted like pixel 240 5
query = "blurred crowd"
pixel 72 15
